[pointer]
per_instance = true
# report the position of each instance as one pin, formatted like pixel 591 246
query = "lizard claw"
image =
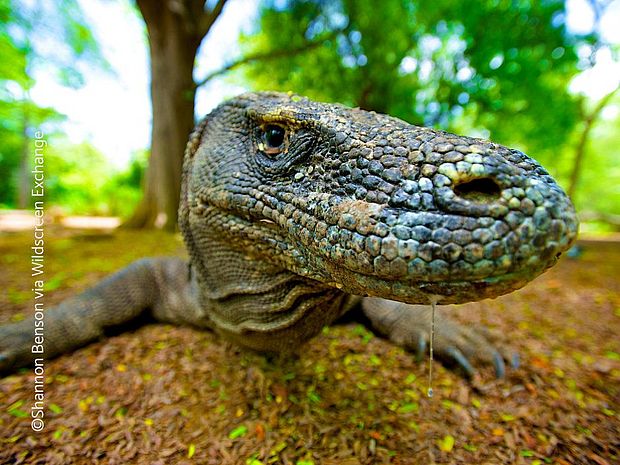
pixel 500 366
pixel 515 360
pixel 461 361
pixel 457 344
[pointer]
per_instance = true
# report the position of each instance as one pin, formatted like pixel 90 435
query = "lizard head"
pixel 370 204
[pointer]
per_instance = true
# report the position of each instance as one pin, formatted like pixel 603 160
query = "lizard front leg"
pixel 408 326
pixel 160 286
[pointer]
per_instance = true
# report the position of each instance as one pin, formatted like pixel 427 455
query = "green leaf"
pixel 610 354
pixel 313 397
pixel 120 412
pixel 18 413
pixel 55 408
pixel 446 444
pixel 238 432
pixel 408 407
pixel 16 404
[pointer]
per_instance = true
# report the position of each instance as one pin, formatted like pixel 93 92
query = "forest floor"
pixel 162 394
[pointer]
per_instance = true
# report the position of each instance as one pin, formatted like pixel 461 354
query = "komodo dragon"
pixel 293 212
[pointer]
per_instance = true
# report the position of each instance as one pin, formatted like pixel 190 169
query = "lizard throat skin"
pixel 369 204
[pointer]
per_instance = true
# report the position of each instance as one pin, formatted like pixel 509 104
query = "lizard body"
pixel 295 212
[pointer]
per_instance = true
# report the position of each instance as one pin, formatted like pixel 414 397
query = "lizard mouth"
pixel 417 255
pixel 418 289
pixel 451 290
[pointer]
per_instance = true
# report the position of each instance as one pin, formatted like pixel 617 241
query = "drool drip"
pixel 431 338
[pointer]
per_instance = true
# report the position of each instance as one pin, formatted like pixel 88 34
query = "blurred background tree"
pixel 175 32
pixel 499 69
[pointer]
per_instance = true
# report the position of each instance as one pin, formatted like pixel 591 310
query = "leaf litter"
pixel 163 394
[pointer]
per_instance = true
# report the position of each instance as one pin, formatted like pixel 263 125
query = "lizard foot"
pixel 454 344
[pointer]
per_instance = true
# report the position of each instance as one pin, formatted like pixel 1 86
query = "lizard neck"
pixel 258 304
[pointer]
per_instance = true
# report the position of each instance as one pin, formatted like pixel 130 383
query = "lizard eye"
pixel 274 139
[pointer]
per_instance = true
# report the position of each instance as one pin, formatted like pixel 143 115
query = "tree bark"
pixel 175 30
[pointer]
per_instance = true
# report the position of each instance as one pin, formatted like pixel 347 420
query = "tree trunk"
pixel 173 45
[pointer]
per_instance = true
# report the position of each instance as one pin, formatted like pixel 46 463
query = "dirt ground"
pixel 162 394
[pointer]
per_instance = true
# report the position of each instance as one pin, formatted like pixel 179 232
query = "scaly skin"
pixel 293 211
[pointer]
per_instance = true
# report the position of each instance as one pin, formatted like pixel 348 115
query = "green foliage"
pixel 35 36
pixel 599 185
pixel 75 176
pixel 495 68
pixel 123 190
pixel 55 39
pixel 16 118
pixel 81 180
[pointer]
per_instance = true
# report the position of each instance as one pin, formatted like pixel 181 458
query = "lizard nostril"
pixel 482 190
